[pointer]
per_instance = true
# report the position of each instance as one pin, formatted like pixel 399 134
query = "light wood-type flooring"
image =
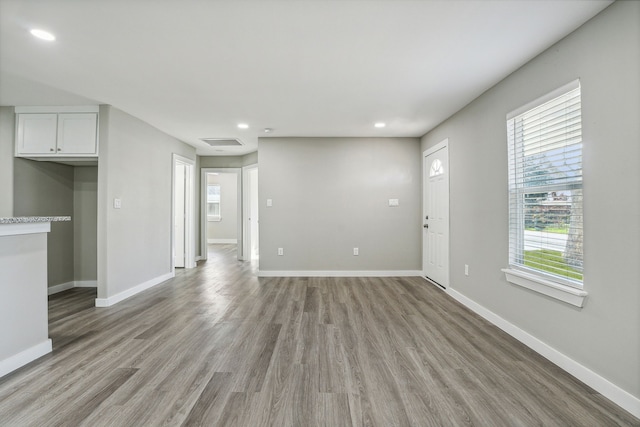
pixel 216 346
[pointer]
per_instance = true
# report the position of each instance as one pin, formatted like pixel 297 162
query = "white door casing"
pixel 435 219
pixel 179 216
pixel 182 213
pixel 203 209
pixel 250 204
pixel 255 227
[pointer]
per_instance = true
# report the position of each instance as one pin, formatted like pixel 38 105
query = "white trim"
pixel 538 284
pixel 545 98
pixel 73 284
pixel 204 223
pixel 198 258
pixel 26 356
pixel 190 193
pixel 25 228
pixel 85 283
pixel 246 205
pixel 59 109
pixel 107 302
pixel 439 146
pixel 603 386
pixel 222 241
pixel 326 273
pixel 59 288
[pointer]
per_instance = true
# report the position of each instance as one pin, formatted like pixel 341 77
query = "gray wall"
pixel 7 126
pixel 604 336
pixel 45 188
pixel 228 161
pixel 85 223
pixel 134 242
pixel 227 227
pixel 331 195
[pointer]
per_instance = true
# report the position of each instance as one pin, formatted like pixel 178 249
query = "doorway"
pixel 221 208
pixel 435 219
pixel 182 230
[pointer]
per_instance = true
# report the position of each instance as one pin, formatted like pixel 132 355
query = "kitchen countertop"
pixel 31 219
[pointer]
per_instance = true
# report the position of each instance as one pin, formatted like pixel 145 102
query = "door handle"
pixel 426 226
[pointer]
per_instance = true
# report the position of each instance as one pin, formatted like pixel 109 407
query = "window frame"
pixel 564 289
pixel 215 218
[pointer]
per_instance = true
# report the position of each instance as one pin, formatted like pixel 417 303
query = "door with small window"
pixel 435 236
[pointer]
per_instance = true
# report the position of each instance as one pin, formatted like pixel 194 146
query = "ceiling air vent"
pixel 222 142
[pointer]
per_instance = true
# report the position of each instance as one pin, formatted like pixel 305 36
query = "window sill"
pixel 560 292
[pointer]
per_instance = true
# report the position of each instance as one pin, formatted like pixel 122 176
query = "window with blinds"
pixel 545 187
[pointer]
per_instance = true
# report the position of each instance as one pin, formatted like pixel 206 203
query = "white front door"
pixel 435 219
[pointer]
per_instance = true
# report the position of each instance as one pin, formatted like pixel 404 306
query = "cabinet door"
pixel 77 133
pixel 37 133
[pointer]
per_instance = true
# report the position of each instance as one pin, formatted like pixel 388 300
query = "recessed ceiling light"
pixel 44 35
pixel 267 130
pixel 243 126
pixel 380 125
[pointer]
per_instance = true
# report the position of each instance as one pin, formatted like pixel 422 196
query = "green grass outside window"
pixel 552 262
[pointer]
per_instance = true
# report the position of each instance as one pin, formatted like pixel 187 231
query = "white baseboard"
pixel 107 302
pixel 199 258
pixel 325 273
pixel 85 284
pixel 603 386
pixel 59 288
pixel 29 355
pixel 74 284
pixel 222 241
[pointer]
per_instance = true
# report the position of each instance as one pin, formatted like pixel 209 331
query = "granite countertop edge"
pixel 31 219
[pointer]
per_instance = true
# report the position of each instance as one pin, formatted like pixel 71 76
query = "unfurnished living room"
pixel 319 213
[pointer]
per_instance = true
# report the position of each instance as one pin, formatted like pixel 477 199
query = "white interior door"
pixel 179 215
pixel 253 213
pixel 435 238
pixel 182 225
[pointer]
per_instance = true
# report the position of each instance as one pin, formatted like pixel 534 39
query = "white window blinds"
pixel 545 186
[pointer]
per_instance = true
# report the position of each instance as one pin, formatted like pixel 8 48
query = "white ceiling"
pixel 197 68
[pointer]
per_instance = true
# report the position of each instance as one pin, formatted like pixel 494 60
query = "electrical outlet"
pixel 117 203
pixel 466 269
pixel 356 251
pixel 280 251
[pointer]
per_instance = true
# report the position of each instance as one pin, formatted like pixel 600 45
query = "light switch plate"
pixel 394 203
pixel 269 203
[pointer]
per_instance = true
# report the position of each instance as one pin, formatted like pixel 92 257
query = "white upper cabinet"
pixel 77 133
pixel 56 134
pixel 37 133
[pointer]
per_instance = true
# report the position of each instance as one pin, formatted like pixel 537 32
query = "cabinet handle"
pixel 50 149
pixel 59 149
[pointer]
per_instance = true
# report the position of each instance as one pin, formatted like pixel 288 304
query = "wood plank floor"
pixel 216 346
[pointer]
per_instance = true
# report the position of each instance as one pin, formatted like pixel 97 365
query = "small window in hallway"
pixel 213 202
